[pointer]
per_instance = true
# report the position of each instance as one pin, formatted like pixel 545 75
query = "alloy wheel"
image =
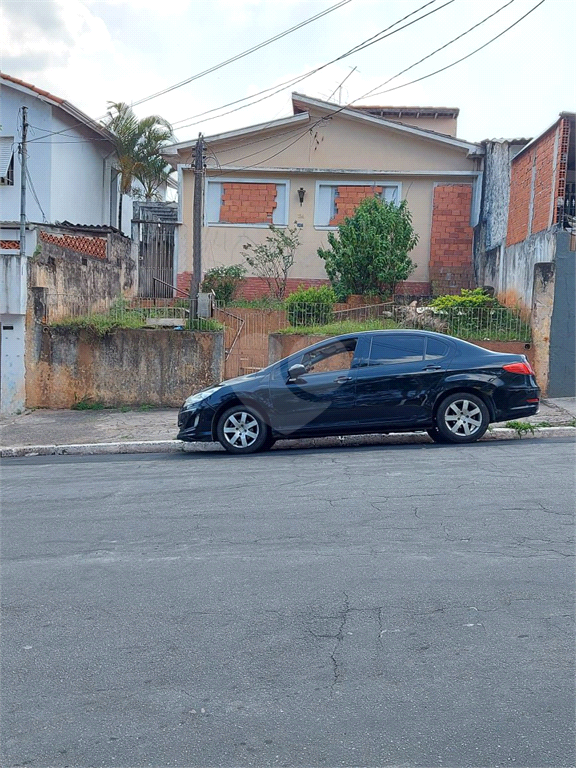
pixel 241 429
pixel 463 418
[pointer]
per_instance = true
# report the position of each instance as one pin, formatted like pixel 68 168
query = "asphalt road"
pixel 382 606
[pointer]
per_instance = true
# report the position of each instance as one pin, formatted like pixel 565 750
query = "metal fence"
pixel 243 323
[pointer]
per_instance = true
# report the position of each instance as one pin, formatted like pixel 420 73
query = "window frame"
pixel 284 205
pixel 345 183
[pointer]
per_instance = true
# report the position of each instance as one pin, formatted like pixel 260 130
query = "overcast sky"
pixel 94 51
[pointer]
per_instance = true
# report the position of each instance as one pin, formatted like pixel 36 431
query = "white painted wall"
pixel 12 346
pixel 39 153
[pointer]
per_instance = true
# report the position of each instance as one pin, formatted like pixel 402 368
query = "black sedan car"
pixel 361 383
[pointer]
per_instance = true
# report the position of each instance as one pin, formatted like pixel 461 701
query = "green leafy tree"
pixel 370 253
pixel 138 144
pixel 273 259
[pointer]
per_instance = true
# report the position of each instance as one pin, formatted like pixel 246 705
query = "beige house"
pixel 314 167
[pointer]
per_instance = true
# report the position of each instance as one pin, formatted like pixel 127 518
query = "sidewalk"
pixel 149 431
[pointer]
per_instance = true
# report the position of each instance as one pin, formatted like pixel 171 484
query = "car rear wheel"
pixel 241 429
pixel 462 418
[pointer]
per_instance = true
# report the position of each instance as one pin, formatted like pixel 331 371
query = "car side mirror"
pixel 296 371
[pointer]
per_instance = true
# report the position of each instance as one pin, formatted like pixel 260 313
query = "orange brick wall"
pixel 543 182
pixel 91 246
pixel 10 245
pixel 451 239
pixel 349 198
pixel 519 206
pixel 538 161
pixel 247 203
pixel 183 280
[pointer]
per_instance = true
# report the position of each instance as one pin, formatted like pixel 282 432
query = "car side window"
pixel 401 348
pixel 337 356
pixel 435 349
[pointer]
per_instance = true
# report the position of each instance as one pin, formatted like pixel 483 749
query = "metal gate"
pixel 153 228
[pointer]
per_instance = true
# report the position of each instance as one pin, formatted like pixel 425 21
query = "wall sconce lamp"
pixel 301 194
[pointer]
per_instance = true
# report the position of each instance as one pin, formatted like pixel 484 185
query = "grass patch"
pixel 522 427
pixel 88 405
pixel 335 329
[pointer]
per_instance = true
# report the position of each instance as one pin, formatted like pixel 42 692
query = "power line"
pixel 443 69
pixel 340 109
pixel 378 37
pixel 241 55
pixel 502 7
pixel 215 67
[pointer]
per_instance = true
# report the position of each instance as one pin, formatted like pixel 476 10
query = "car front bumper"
pixel 195 425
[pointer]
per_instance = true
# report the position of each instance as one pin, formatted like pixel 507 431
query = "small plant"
pixel 273 259
pixel 145 407
pixel 311 306
pixel 203 324
pixel 522 427
pixel 87 404
pixel 224 281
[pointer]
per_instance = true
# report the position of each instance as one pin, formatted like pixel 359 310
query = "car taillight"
pixel 524 368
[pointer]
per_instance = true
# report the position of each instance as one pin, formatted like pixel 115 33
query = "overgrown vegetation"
pixel 224 282
pixel 310 306
pixel 122 315
pixel 370 253
pixel 335 329
pixel 273 259
pixel 475 314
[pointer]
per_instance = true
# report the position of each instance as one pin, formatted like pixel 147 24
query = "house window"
pixel 6 160
pixel 336 201
pixel 242 202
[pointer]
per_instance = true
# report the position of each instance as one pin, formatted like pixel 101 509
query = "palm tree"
pixel 138 145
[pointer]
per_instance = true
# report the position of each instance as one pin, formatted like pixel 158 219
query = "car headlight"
pixel 193 400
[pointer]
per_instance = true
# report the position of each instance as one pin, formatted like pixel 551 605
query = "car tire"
pixel 241 429
pixel 462 418
pixel 437 436
pixel 268 443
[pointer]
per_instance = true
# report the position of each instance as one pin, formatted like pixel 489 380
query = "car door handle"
pixel 433 368
pixel 342 379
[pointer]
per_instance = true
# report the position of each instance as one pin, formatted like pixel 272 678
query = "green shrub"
pixel 311 306
pixel 468 298
pixel 224 281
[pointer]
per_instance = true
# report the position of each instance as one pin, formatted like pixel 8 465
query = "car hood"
pixel 246 379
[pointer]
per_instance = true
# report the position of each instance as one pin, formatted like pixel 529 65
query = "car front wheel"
pixel 241 429
pixel 462 418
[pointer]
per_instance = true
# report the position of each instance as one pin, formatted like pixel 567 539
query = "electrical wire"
pixel 299 78
pixel 44 219
pixel 340 109
pixel 241 55
pixel 443 69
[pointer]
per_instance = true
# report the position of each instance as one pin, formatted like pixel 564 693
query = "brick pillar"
pixel 451 239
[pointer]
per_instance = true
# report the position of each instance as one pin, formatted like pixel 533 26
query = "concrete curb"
pixel 177 446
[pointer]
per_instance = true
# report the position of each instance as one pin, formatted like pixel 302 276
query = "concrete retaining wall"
pixel 128 367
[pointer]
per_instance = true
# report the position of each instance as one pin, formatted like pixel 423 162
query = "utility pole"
pixel 197 226
pixel 23 158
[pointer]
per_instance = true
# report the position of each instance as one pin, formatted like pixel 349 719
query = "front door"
pixel 322 400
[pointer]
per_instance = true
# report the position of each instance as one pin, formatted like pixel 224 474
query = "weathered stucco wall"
pixel 82 270
pixel 127 367
pixel 516 268
pixel 542 307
